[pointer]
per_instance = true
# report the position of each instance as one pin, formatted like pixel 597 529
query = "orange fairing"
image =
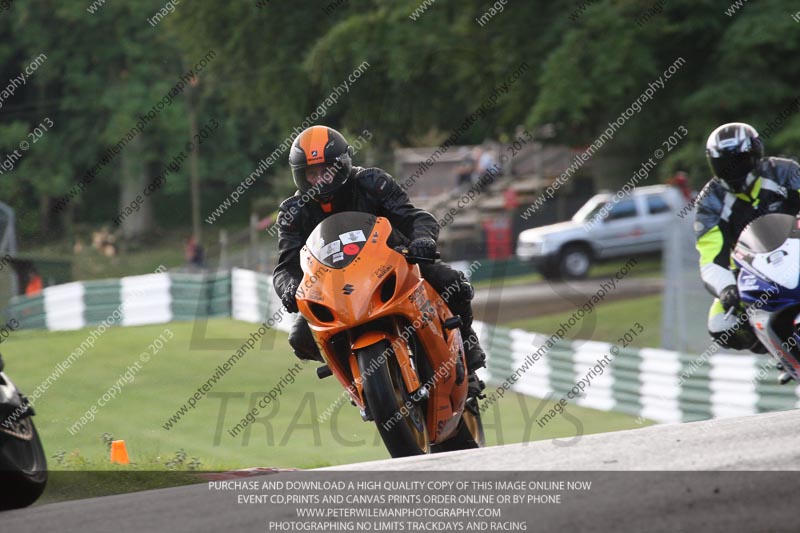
pixel 362 281
pixel 350 294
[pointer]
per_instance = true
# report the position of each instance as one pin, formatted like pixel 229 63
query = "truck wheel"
pixel 575 261
pixel 550 270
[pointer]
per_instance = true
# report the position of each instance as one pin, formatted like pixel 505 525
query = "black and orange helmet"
pixel 321 162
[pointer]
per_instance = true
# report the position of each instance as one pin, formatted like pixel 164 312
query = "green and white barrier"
pixel 254 299
pixel 130 301
pixel 660 385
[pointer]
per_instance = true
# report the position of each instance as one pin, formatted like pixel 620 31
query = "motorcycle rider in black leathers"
pixel 320 159
pixel 745 185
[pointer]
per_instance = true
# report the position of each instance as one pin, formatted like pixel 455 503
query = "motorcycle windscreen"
pixel 768 233
pixel 338 239
pixel 767 251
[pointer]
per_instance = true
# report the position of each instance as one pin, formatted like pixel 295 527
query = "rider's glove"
pixel 729 297
pixel 288 297
pixel 423 247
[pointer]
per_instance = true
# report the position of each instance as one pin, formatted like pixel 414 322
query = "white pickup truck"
pixel 602 230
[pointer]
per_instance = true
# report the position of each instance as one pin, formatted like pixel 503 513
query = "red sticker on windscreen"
pixel 351 249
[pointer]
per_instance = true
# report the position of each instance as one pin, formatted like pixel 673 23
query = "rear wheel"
pixel 469 434
pixel 575 261
pixel 23 467
pixel 401 421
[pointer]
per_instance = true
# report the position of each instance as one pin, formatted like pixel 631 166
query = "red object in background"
pixel 511 198
pixel 350 249
pixel 681 181
pixel 189 249
pixel 34 286
pixel 498 237
pixel 266 222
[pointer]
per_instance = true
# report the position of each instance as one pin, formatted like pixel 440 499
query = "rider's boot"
pixel 476 358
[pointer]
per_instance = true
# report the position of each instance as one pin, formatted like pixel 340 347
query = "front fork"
pixel 398 341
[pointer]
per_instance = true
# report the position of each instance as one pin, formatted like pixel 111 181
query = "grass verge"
pixel 648 266
pixel 611 320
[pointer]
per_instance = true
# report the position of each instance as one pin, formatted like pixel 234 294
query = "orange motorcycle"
pixel 387 336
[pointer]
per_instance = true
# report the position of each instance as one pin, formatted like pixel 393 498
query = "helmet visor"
pixel 733 168
pixel 320 180
pixel 318 176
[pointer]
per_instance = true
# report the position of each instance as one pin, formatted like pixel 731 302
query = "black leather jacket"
pixel 369 190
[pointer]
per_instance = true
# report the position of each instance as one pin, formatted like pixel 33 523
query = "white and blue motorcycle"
pixel 767 255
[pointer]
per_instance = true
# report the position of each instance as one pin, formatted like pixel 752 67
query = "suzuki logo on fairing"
pixel 348 289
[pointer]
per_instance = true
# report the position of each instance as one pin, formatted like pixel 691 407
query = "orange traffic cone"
pixel 119 453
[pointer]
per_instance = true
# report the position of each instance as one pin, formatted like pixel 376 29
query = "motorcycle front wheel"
pixel 23 467
pixel 401 421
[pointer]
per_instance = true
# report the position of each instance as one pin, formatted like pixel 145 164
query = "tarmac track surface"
pixel 498 304
pixel 643 480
